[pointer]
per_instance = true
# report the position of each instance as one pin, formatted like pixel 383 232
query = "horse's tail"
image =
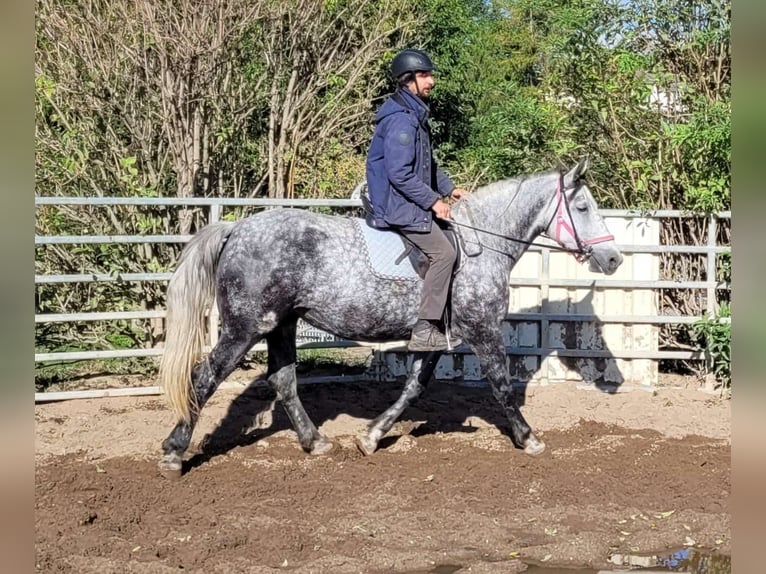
pixel 189 296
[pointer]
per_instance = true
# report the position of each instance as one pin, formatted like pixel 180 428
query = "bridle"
pixel 584 246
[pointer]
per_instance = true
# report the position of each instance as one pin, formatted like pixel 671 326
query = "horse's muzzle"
pixel 605 261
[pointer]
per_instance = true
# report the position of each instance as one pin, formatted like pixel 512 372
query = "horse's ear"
pixel 584 164
pixel 576 173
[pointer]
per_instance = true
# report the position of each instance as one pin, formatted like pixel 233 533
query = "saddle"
pixel 391 256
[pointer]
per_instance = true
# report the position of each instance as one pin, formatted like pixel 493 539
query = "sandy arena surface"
pixel 627 472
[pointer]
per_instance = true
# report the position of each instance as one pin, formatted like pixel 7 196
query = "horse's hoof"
pixel 534 446
pixel 171 466
pixel 321 446
pixel 366 446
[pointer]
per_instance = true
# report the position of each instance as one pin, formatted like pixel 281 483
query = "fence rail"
pixel 215 205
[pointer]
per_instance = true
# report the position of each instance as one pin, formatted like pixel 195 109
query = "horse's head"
pixel 576 223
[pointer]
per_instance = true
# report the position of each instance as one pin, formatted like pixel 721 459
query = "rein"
pixel 584 249
pixel 509 238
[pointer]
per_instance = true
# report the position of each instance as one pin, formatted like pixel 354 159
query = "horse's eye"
pixel 583 207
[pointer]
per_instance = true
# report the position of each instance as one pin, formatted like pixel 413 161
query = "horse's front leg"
pixel 491 353
pixel 422 371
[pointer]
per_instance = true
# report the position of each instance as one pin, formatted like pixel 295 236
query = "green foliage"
pixel 512 137
pixel 723 272
pixel 69 375
pixel 333 172
pixel 714 333
pixel 522 85
pixel 704 145
pixel 347 361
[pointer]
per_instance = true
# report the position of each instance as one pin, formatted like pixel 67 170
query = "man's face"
pixel 422 84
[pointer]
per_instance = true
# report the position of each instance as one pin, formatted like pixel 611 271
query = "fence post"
pixel 545 336
pixel 215 216
pixel 712 235
pixel 710 304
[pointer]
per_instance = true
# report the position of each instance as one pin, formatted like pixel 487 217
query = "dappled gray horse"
pixel 271 269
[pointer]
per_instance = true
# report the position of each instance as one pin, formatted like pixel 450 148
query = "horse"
pixel 277 266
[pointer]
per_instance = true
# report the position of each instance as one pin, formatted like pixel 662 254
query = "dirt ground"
pixel 447 492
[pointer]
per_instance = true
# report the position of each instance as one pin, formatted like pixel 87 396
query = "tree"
pixel 145 85
pixel 321 62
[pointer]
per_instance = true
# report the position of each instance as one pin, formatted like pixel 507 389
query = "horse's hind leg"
pixel 282 379
pixel 206 377
pixel 422 371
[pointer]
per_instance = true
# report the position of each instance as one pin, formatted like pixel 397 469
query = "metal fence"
pixel 313 338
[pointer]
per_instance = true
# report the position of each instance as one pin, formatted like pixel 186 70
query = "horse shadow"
pixel 602 372
pixel 445 406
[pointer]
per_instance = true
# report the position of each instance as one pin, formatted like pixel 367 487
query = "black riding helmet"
pixel 410 61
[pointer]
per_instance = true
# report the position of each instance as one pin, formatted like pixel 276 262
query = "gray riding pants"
pixel 441 257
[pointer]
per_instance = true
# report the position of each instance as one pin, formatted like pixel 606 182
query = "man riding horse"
pixel 407 189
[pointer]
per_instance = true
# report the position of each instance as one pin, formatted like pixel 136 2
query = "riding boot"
pixel 426 336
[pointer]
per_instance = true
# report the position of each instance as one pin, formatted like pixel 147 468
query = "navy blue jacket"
pixel 403 180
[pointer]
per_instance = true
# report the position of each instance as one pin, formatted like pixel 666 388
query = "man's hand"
pixel 458 193
pixel 441 209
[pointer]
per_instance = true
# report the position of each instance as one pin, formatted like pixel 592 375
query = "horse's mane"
pixel 515 181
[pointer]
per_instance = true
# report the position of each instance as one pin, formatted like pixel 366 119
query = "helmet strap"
pixel 417 88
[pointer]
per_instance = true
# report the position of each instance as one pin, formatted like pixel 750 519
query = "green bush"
pixel 715 334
